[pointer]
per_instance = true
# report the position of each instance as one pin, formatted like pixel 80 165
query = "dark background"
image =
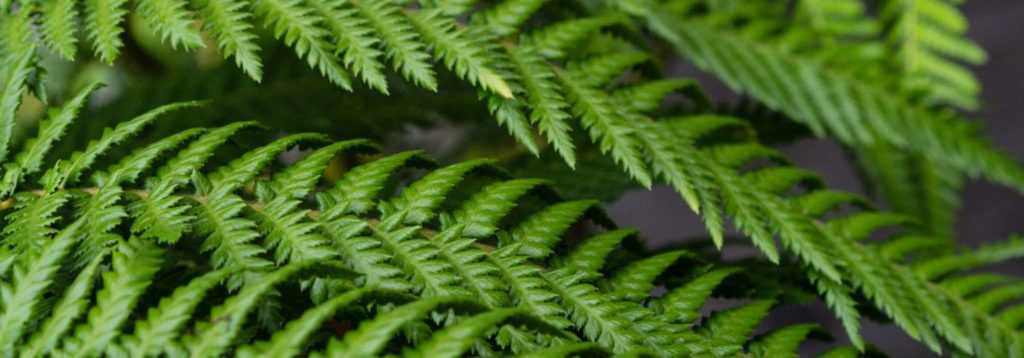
pixel 989 212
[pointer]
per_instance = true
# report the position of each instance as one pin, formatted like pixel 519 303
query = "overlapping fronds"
pixel 847 107
pixel 905 274
pixel 447 277
pixel 931 48
pixel 204 223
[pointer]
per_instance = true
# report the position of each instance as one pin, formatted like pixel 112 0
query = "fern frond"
pixel 297 26
pixel 418 202
pixel 635 282
pixel 538 234
pixel 14 75
pixel 71 305
pixel 172 21
pixel 445 237
pixel 458 51
pixel 227 320
pixel 507 17
pixel 369 339
pixel 32 275
pixel 605 125
pixel 31 222
pixel 68 171
pixel 228 22
pixel 455 340
pixel 356 191
pixel 402 44
pixel 301 177
pixel 729 329
pixel 590 256
pixel 291 238
pixel 528 288
pixel 783 342
pixel 103 26
pixel 554 41
pixel 59 27
pixel 135 262
pixel 30 159
pixel 682 303
pixel 548 106
pixel 479 275
pixel 354 38
pixel 482 212
pixel 929 40
pixel 163 323
pixel 600 318
pixel 159 214
pixel 856 113
pixel 288 341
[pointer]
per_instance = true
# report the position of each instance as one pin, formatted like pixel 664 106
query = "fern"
pixel 222 239
pixel 448 264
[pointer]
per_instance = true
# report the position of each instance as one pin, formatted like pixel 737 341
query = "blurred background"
pixel 989 212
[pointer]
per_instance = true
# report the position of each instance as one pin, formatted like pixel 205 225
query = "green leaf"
pixel 33 273
pixel 296 25
pixel 104 25
pixel 227 21
pixel 171 21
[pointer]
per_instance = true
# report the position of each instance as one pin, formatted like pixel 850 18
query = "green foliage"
pixel 208 237
pixel 136 312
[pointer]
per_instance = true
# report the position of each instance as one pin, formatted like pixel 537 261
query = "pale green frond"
pixel 508 16
pixel 856 112
pixel 172 21
pixel 228 23
pixel 104 25
pixel 59 27
pixel 556 40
